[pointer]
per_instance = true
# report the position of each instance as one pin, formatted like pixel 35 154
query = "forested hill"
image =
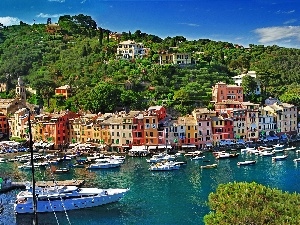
pixel 83 56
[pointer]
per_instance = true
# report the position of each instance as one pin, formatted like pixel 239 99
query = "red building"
pixel 138 130
pixel 160 111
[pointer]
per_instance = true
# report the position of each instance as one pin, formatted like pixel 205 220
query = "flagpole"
pixel 35 219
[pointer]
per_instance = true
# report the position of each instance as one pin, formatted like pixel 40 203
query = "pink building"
pixel 222 91
pixel 205 135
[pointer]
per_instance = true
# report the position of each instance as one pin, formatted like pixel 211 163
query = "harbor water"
pixel 163 198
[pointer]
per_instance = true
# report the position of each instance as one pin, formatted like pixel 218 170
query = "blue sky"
pixel 242 22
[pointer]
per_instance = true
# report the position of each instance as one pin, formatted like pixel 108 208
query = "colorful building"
pixel 222 91
pixel 203 117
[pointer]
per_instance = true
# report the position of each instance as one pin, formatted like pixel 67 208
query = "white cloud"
pixel 8 21
pixel 271 34
pixel 61 1
pixel 285 12
pixel 190 24
pixel 290 21
pixel 83 1
pixel 46 15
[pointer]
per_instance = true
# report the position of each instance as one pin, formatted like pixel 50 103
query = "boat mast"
pixel 35 218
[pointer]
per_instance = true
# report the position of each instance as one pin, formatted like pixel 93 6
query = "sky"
pixel 244 22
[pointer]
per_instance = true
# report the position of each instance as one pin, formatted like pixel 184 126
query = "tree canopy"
pixel 252 203
pixel 82 55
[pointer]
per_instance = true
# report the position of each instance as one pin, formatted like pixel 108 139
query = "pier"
pixel 21 185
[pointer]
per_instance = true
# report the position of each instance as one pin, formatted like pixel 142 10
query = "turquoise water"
pixel 174 197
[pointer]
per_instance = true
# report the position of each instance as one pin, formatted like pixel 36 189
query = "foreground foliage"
pixel 252 203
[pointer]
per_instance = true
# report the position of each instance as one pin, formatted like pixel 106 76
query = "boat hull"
pixel 61 204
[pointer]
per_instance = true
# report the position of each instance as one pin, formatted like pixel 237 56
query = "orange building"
pixel 64 90
pixel 150 129
pixel 57 129
pixel 222 91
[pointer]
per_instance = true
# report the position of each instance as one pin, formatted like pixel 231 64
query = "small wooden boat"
pixel 209 166
pixel 245 163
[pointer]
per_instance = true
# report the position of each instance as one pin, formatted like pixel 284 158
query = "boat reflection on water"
pixel 86 216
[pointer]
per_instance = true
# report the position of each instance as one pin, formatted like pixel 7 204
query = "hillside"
pixel 83 56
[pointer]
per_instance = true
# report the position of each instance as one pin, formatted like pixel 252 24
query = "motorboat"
pixel 105 164
pixel 61 170
pixel 263 148
pixel 161 157
pixel 253 151
pixel 3 160
pixel 194 153
pixel 278 150
pixel 64 198
pixel 247 149
pixel 197 157
pixel 296 160
pixel 245 163
pixel 225 155
pixel 210 166
pixel 279 157
pixel 290 148
pixel 266 153
pixel 278 146
pixel 166 166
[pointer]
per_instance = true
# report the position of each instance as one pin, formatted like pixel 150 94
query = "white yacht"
pixel 105 164
pixel 61 198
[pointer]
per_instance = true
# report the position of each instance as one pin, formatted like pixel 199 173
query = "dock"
pixel 21 185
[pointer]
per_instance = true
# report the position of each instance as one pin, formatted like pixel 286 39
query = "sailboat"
pixel 61 198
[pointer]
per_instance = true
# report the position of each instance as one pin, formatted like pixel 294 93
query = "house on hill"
pixel 64 90
pixel 131 50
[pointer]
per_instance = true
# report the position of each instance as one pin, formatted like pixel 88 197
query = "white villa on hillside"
pixel 238 80
pixel 131 50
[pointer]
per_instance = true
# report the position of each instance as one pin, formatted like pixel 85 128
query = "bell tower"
pixel 20 90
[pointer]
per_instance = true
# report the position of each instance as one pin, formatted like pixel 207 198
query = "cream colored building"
pixel 252 120
pixel 131 50
pixel 285 115
pixel 175 58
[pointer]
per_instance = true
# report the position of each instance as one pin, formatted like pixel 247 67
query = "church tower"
pixel 20 90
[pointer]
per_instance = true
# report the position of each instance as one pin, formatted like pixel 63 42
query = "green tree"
pixel 252 203
pixel 249 84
